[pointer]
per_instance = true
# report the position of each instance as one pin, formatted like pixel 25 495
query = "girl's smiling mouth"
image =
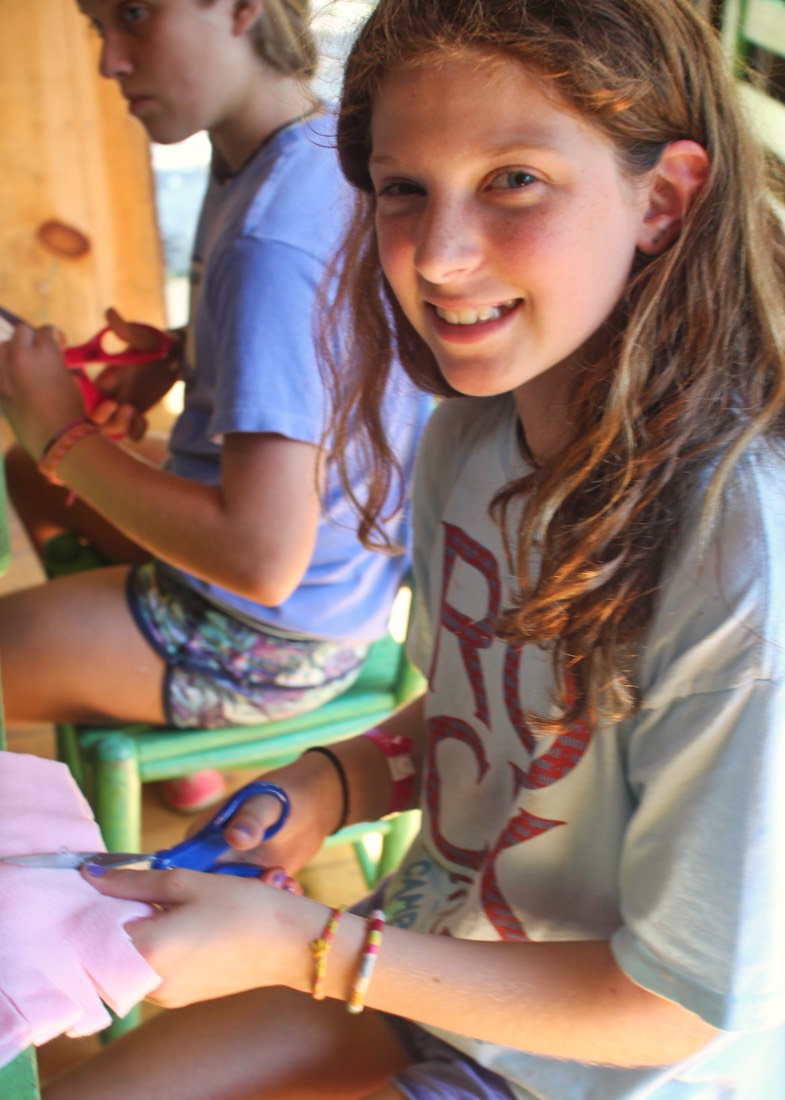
pixel 474 315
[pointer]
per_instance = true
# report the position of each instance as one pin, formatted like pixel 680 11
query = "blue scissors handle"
pixel 201 851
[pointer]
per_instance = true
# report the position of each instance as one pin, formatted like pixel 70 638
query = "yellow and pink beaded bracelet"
pixel 370 954
pixel 320 949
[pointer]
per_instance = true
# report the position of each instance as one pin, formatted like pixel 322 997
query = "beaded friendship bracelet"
pixel 320 949
pixel 341 773
pixel 370 954
pixel 59 446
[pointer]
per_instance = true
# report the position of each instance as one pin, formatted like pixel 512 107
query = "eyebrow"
pixel 515 148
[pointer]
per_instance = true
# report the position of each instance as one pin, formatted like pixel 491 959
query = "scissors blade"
pixel 74 860
pixel 8 322
pixel 12 318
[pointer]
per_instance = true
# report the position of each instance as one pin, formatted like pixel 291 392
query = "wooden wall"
pixel 69 152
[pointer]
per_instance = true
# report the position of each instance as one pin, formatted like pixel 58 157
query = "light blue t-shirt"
pixel 262 245
pixel 664 834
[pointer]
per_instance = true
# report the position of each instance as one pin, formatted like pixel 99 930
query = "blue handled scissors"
pixel 199 852
pixel 93 351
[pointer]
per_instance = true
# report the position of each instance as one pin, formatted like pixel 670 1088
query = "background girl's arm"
pixel 253 534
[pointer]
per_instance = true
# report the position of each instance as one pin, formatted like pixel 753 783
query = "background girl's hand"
pixel 208 937
pixel 130 391
pixel 39 396
pixel 119 421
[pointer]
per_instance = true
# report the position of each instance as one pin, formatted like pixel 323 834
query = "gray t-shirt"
pixel 664 834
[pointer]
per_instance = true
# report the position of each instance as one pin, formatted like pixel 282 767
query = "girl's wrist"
pixel 343 783
pixel 60 445
pixel 322 787
pixel 291 960
pixel 344 971
pixel 286 923
pixel 354 782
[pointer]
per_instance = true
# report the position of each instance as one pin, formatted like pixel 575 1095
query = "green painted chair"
pixel 19 1079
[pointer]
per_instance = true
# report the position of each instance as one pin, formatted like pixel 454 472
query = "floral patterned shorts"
pixel 222 672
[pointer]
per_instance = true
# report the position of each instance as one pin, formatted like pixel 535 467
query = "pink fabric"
pixel 63 947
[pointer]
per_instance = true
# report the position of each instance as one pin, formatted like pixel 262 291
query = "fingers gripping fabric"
pixel 63 946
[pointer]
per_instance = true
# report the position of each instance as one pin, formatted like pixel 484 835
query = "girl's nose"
pixel 448 243
pixel 115 61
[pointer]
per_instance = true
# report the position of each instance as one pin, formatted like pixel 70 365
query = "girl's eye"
pixel 129 14
pixel 512 180
pixel 133 13
pixel 398 189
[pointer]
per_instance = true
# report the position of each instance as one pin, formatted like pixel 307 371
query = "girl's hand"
pixel 117 420
pixel 39 396
pixel 312 816
pixel 212 935
pixel 280 880
pixel 131 391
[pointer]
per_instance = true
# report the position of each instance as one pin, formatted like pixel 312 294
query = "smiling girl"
pixel 566 230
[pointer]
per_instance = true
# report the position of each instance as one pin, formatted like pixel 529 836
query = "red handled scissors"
pixel 93 351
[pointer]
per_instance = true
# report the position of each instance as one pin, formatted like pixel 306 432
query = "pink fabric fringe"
pixel 63 946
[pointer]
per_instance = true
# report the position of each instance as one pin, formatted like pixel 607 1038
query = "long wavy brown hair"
pixel 692 361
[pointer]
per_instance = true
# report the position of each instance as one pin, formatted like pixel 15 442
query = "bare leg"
pixel 70 651
pixel 44 512
pixel 274 1044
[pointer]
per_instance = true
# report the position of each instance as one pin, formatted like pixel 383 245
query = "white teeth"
pixel 470 316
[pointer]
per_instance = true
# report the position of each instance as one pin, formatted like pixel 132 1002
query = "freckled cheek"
pixel 396 255
pixel 558 252
pixel 525 247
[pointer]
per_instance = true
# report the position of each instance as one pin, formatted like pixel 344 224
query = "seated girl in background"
pixel 573 236
pixel 255 599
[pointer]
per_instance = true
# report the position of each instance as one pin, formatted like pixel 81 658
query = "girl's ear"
pixel 680 174
pixel 244 14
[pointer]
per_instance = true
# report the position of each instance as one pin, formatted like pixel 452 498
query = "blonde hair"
pixel 692 366
pixel 282 37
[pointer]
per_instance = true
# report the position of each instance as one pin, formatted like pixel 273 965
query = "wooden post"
pixel 72 156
